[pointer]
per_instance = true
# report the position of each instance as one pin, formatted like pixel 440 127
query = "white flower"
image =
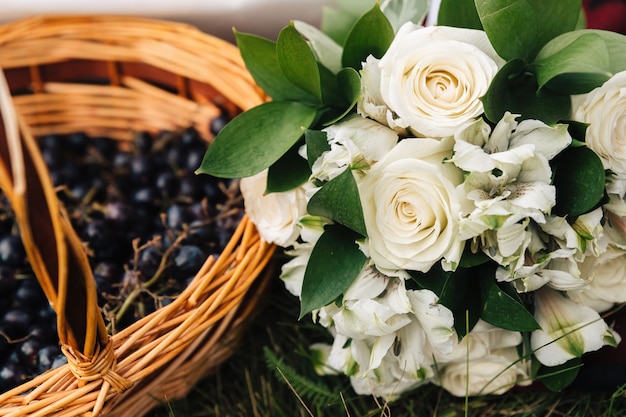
pixel 275 215
pixel 605 110
pixel 386 343
pixel 494 363
pixel 410 206
pixel 508 187
pixel 567 329
pixel 494 373
pixel 607 280
pixel 356 142
pixel 292 272
pixel 435 319
pixel 431 79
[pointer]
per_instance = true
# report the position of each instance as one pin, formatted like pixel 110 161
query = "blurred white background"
pixel 218 17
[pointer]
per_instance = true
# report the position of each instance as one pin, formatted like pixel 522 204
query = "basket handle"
pixel 54 250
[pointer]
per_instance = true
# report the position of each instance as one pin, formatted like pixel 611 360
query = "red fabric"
pixel 608 15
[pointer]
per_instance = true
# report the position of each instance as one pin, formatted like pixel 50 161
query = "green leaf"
pixel 327 51
pixel 332 93
pixel 579 61
pixel 316 144
pixel 614 42
pixel 433 280
pixel 579 179
pixel 505 310
pixel 510 25
pixel 578 68
pixel 456 290
pixel 297 61
pixel 349 83
pixel 460 296
pixel 554 18
pixel 459 13
pixel 371 35
pixel 517 29
pixel 582 20
pixel 259 55
pixel 577 130
pixel 514 89
pixel 401 11
pixel 335 262
pixel 255 139
pixel 339 200
pixel 290 171
pixel 470 259
pixel 556 378
pixel 336 23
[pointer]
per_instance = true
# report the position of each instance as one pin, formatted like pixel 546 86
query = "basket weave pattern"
pixel 113 76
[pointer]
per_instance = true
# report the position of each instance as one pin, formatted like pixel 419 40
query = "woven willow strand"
pixel 165 353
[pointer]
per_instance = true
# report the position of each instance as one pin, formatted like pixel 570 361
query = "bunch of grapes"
pixel 148 223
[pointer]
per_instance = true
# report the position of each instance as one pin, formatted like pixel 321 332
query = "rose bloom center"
pixel 442 86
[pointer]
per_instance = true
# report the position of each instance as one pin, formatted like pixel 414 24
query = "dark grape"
pixel 187 260
pixel 143 142
pixel 131 207
pixel 218 123
pixel 28 352
pixel 46 357
pixel 12 251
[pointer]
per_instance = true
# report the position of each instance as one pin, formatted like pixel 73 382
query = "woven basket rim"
pixel 211 307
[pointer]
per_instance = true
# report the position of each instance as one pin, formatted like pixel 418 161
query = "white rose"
pixel 607 280
pixel 275 215
pixel 431 79
pixel 605 110
pixel 495 373
pixel 410 206
pixel 490 350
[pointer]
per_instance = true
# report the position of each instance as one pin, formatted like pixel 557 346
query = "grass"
pixel 271 375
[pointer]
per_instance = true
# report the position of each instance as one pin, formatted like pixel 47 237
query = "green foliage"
pixel 579 178
pixel 339 201
pixel 578 68
pixel 556 378
pixel 577 62
pixel 338 21
pixel 472 292
pixel 260 57
pixel 349 82
pixel 256 139
pixel 503 308
pixel 514 89
pixel 327 51
pixel 457 291
pixel 335 262
pixel 248 384
pixel 510 25
pixel 615 44
pixel 297 62
pixel 400 11
pixel 316 144
pixel 517 29
pixel 290 171
pixel 371 35
pixel 460 295
pixel 314 393
pixel 459 13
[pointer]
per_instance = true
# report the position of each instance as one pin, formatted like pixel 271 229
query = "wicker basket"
pixel 112 76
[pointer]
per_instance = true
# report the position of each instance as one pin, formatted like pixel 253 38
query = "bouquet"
pixel 451 197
